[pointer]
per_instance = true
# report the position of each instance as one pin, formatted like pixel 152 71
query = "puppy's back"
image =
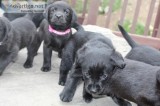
pixel 135 80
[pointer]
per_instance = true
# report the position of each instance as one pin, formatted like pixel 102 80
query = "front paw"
pixel 62 83
pixel 27 65
pixel 66 96
pixel 45 69
pixel 87 98
pixel 62 79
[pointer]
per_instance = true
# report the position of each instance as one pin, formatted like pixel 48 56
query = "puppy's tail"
pixel 36 18
pixel 158 79
pixel 130 41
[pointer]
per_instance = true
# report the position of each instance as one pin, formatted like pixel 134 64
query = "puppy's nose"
pixel 58 15
pixel 93 88
pixel 123 65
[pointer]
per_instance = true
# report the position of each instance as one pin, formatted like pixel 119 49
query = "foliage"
pixel 139 27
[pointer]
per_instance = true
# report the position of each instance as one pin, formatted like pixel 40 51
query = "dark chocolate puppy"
pixel 141 53
pixel 14 36
pixel 88 50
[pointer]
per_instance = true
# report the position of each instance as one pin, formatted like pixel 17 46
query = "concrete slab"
pixel 31 87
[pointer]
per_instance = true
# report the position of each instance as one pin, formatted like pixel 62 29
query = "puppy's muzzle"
pixel 94 88
pixel 58 16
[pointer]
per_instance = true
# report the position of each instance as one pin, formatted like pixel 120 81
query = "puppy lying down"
pixel 141 53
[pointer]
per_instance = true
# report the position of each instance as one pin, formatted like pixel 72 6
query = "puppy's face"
pixel 94 79
pixel 96 75
pixel 60 15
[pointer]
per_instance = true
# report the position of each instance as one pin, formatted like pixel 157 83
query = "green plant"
pixel 105 3
pixel 127 25
pixel 117 5
pixel 139 27
pixel 79 6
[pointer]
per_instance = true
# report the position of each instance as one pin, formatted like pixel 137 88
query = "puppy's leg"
pixel 32 51
pixel 66 62
pixel 120 101
pixel 69 90
pixel 47 55
pixel 86 96
pixel 60 54
pixel 7 58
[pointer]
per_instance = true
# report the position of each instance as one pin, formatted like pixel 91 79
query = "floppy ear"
pixel 117 60
pixel 45 13
pixel 8 34
pixel 77 73
pixel 7 28
pixel 74 17
pixel 76 70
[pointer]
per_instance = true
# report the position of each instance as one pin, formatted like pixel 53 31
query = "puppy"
pixel 38 17
pixel 93 49
pixel 137 82
pixel 14 36
pixel 56 30
pixel 141 53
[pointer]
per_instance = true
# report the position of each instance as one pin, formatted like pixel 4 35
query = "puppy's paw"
pixel 59 55
pixel 46 69
pixel 62 79
pixel 27 65
pixel 62 83
pixel 87 98
pixel 128 104
pixel 1 72
pixel 66 96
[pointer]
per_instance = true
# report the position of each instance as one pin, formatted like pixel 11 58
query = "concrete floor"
pixel 31 87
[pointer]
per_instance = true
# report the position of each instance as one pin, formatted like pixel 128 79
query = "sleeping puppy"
pixel 56 30
pixel 141 53
pixel 14 36
pixel 137 82
pixel 93 50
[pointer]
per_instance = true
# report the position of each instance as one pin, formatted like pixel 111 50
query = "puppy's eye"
pixel 54 9
pixel 103 77
pixel 87 75
pixel 66 11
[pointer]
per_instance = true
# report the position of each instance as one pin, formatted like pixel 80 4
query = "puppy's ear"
pixel 7 28
pixel 8 37
pixel 74 17
pixel 76 71
pixel 117 60
pixel 45 13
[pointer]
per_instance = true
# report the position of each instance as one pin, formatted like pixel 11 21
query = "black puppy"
pixel 93 49
pixel 38 17
pixel 56 30
pixel 137 82
pixel 14 36
pixel 141 53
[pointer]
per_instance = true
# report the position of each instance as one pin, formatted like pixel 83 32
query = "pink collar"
pixel 59 32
